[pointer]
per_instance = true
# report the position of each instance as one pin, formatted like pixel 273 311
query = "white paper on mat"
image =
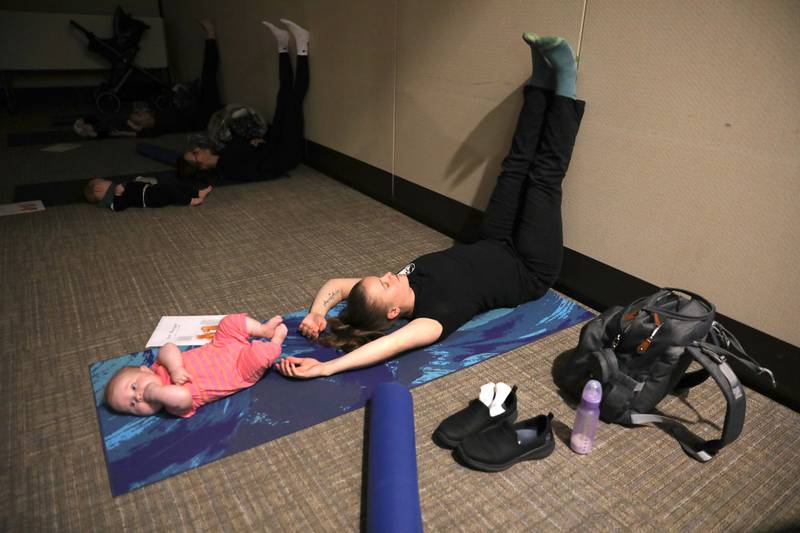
pixel 21 207
pixel 185 330
pixel 64 147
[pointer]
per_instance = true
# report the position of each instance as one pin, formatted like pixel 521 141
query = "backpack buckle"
pixel 717 358
pixel 645 344
pixel 615 342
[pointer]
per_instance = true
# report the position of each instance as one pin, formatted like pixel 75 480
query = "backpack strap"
pixel 713 360
pixel 719 336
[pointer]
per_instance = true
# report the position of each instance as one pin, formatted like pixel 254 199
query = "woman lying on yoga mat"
pixel 518 258
pixel 144 122
pixel 258 157
pixel 180 382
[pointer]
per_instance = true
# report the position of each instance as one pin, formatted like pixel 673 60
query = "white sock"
pixel 301 36
pixel 501 392
pixel 282 36
pixel 487 393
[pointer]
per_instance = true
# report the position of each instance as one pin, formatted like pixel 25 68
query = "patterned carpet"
pixel 81 284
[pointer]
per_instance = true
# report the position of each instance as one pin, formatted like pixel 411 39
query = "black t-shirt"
pixel 454 285
pixel 241 161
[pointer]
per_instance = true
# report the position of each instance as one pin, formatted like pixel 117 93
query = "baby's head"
pixel 142 115
pixel 96 189
pixel 125 391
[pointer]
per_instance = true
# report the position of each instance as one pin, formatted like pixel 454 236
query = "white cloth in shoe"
pixel 501 392
pixel 487 393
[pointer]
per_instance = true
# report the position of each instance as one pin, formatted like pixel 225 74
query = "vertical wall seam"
pixel 580 32
pixel 394 97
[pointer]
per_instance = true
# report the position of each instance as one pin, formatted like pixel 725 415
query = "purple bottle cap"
pixel 592 391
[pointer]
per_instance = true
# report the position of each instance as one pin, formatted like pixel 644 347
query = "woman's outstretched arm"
pixel 419 332
pixel 330 294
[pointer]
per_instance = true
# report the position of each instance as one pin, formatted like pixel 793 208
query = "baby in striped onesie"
pixel 180 382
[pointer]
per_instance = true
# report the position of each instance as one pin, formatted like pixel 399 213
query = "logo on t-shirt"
pixel 406 270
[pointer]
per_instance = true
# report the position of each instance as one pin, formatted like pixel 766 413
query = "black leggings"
pixel 164 194
pixel 525 207
pixel 209 101
pixel 284 147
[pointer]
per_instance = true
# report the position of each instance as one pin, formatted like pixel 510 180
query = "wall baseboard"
pixel 587 280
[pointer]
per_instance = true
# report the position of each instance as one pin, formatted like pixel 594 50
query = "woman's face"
pixel 387 291
pixel 199 156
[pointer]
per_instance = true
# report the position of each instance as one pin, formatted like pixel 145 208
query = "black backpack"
pixel 640 353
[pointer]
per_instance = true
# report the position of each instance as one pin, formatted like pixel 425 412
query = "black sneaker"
pixel 474 418
pixel 497 449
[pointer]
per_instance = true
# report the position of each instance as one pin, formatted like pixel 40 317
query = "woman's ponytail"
pixel 360 322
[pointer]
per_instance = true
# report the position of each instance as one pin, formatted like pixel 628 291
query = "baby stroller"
pixel 120 50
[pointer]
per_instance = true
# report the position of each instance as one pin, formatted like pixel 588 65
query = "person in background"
pixel 245 155
pixel 143 121
pixel 143 192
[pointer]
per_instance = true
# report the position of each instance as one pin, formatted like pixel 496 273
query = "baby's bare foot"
pixel 280 334
pixel 208 25
pixel 271 324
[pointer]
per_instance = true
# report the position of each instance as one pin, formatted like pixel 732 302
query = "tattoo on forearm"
pixel 329 297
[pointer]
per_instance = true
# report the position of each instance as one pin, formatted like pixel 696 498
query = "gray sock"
pixel 558 53
pixel 543 76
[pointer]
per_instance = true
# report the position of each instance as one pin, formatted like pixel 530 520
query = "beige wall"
pixel 686 171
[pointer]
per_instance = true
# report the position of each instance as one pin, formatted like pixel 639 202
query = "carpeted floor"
pixel 81 284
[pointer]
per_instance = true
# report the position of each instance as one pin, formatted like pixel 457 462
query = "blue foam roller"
pixel 392 491
pixel 158 153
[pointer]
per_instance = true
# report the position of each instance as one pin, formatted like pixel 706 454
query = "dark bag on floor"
pixel 640 353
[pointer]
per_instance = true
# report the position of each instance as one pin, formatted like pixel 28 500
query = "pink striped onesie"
pixel 227 364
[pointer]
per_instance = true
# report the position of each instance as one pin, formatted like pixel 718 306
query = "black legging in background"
pixel 285 136
pixel 194 117
pixel 209 91
pixel 283 147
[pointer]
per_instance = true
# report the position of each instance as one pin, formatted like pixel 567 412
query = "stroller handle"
pixel 86 32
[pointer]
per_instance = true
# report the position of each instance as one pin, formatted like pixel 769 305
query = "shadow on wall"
pixel 486 146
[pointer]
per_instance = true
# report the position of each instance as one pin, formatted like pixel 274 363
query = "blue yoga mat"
pixel 158 153
pixel 142 450
pixel 392 488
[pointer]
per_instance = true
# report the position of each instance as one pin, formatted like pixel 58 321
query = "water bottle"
pixel 586 418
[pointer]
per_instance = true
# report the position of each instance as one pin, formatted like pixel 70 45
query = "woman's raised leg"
pixel 285 141
pixel 209 90
pixel 502 213
pixel 285 79
pixel 538 239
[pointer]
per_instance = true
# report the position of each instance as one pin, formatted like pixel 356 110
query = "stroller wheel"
pixel 163 101
pixel 107 102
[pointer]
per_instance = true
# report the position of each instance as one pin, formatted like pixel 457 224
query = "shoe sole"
pixel 441 439
pixel 537 453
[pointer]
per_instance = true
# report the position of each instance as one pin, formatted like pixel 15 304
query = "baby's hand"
pixel 180 376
